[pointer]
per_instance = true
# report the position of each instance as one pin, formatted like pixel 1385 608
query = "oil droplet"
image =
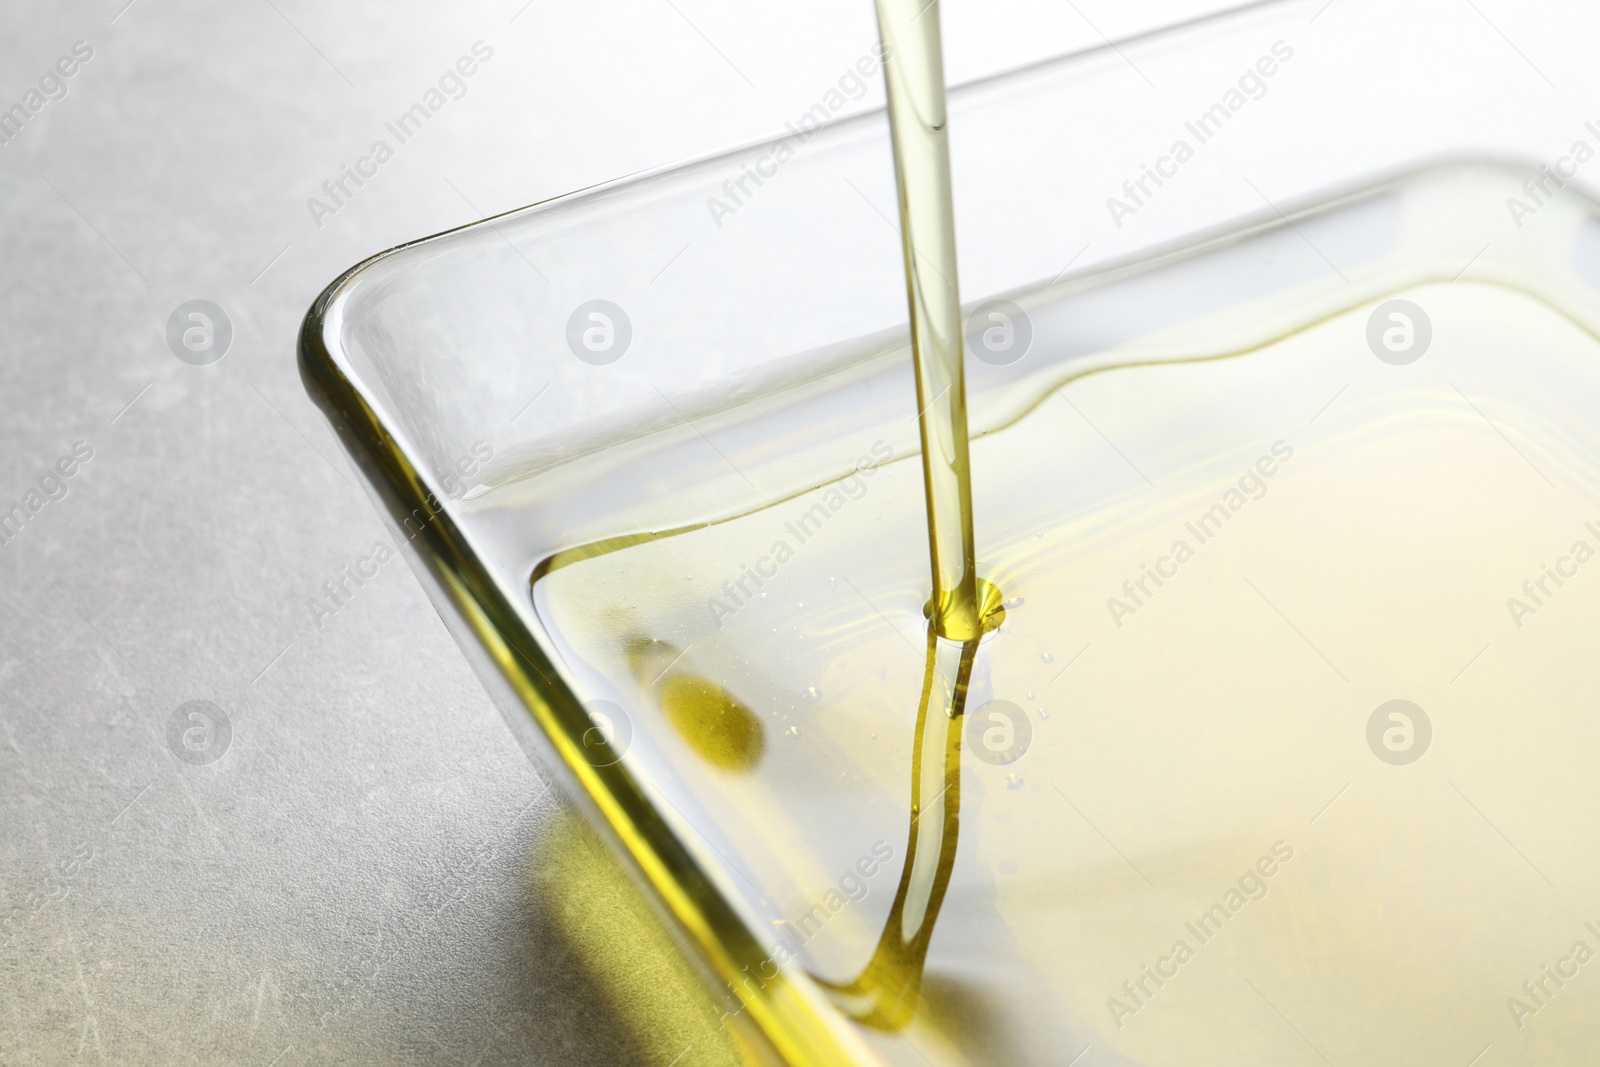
pixel 1047 658
pixel 813 694
pixel 1014 603
pixel 712 721
pixel 1030 696
pixel 1043 714
pixel 1013 780
pixel 793 731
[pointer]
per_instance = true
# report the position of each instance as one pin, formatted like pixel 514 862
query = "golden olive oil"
pixel 1204 620
pixel 1280 750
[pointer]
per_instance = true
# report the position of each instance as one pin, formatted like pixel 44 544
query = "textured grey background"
pixel 355 879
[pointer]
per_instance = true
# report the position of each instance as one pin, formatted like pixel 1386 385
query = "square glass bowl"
pixel 544 401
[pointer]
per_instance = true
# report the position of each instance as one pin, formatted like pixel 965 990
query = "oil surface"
pixel 1195 827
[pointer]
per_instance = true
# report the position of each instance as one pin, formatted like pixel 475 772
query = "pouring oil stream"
pixel 963 606
pixel 913 70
